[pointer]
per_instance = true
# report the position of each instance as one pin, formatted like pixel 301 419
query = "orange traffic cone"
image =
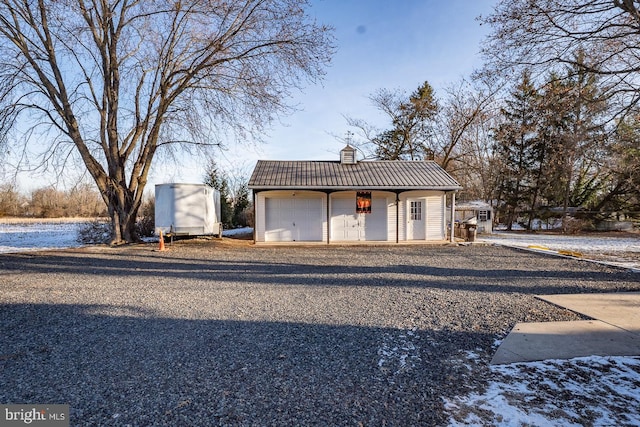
pixel 161 239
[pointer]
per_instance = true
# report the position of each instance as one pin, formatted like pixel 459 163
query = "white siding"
pixel 435 218
pixel 402 220
pixel 375 223
pixel 391 218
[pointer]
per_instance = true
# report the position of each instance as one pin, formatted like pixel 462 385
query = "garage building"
pixel 351 201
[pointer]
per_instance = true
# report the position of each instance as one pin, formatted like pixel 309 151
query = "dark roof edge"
pixel 347 188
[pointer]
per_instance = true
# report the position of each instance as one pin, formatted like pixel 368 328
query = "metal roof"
pixel 369 175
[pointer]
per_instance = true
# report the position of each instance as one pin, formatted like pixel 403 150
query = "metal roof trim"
pixel 370 175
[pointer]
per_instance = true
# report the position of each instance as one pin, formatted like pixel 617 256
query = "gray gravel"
pixel 211 333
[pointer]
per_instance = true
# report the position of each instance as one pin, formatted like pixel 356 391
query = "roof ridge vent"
pixel 348 155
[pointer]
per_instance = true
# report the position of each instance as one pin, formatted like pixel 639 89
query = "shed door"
pixel 347 225
pixel 416 225
pixel 293 219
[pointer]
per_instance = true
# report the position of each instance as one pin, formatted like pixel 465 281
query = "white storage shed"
pixel 350 200
pixel 187 210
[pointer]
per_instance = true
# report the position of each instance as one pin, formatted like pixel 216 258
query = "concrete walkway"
pixel 615 330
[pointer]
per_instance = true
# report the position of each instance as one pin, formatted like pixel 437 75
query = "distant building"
pixel 482 211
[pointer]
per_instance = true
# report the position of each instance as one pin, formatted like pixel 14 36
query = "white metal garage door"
pixel 347 225
pixel 293 219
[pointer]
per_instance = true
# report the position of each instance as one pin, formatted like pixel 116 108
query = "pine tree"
pixel 411 124
pixel 573 134
pixel 516 140
pixel 622 192
pixel 218 180
pixel 240 206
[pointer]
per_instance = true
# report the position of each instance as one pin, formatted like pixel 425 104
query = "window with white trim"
pixel 416 211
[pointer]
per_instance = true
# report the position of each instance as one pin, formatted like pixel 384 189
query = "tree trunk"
pixel 123 211
pixel 123 227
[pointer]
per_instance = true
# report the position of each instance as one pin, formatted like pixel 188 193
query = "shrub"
pixel 145 225
pixel 572 225
pixel 94 232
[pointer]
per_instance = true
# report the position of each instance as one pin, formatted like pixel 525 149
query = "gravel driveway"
pixel 210 333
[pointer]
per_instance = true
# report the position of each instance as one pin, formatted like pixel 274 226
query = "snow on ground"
pixel 593 391
pixel 30 236
pixel 398 352
pixel 16 236
pixel 237 231
pixel 615 249
pixel 585 243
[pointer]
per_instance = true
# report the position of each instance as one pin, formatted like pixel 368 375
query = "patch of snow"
pixel 598 391
pixel 398 353
pixel 610 248
pixel 21 237
pixel 472 204
pixel 237 231
pixel 572 243
pixel 45 235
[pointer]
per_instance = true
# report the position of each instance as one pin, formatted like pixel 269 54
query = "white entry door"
pixel 293 219
pixel 347 225
pixel 416 224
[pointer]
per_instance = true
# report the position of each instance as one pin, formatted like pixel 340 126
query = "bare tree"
pixel 114 81
pixel 464 139
pixel 462 110
pixel 11 202
pixel 541 34
pixel 47 202
pixel 84 201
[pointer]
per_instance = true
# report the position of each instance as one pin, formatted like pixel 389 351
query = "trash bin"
pixel 470 225
pixel 471 233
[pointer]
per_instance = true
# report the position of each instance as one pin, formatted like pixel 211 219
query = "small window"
pixel 484 215
pixel 416 211
pixel 363 202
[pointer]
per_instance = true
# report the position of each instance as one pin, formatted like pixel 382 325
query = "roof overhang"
pixel 351 188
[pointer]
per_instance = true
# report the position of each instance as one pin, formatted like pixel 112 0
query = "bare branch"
pixel 124 78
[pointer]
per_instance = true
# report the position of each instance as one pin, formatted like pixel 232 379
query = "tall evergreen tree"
pixel 240 205
pixel 516 140
pixel 218 180
pixel 622 190
pixel 573 133
pixel 584 144
pixel 552 135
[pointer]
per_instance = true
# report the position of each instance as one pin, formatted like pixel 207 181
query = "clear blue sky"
pixel 380 44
